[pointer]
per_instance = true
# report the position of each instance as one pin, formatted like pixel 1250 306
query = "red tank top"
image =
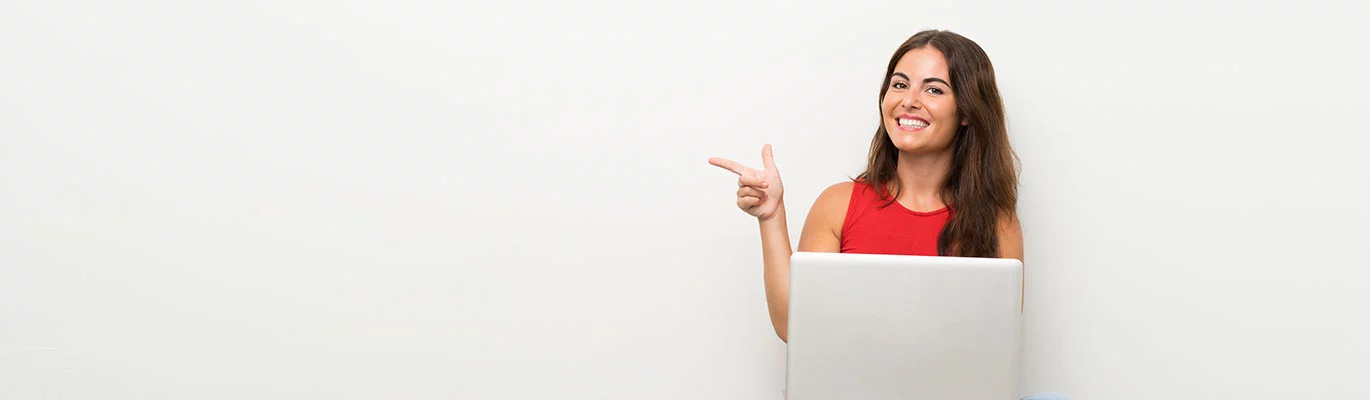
pixel 871 227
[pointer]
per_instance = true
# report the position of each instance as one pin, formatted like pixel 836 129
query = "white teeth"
pixel 913 123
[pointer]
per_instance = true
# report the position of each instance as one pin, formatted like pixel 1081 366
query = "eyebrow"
pixel 906 77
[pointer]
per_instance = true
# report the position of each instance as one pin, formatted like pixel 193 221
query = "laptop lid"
pixel 887 326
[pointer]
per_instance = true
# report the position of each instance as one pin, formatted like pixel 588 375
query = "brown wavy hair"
pixel 982 185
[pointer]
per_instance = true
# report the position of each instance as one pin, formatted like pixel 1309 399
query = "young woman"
pixel 940 177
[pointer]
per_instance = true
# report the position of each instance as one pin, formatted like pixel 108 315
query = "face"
pixel 919 108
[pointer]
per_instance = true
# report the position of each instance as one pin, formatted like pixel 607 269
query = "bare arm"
pixel 822 233
pixel 1010 238
pixel 1011 245
pixel 775 258
pixel 760 194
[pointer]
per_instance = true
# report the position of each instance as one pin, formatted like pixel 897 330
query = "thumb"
pixel 767 158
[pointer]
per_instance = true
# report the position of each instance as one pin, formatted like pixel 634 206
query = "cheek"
pixel 947 113
pixel 887 106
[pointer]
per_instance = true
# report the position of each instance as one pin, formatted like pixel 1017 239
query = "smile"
pixel 911 123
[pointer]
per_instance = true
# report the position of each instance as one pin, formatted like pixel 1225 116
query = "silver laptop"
pixel 865 326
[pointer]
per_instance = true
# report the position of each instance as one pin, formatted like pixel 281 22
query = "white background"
pixel 497 200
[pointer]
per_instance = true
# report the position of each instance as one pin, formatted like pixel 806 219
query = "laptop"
pixel 870 326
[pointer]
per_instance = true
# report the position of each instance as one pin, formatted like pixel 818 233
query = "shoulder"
pixel 823 227
pixel 1010 233
pixel 1008 224
pixel 830 209
pixel 834 199
pixel 838 191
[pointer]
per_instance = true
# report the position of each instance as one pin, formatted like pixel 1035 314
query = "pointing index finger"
pixel 729 165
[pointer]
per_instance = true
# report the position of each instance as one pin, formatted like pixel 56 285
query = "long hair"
pixel 982 184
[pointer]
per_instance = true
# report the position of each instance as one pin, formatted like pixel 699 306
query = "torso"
pixel 875 225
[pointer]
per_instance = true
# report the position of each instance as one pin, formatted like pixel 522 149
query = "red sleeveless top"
pixel 871 227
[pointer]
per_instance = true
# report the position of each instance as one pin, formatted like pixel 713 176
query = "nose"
pixel 910 101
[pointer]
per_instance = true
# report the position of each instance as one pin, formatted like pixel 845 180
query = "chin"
pixel 913 145
pixel 906 137
pixel 906 143
pixel 911 149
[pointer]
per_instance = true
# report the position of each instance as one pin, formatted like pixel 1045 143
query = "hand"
pixel 758 192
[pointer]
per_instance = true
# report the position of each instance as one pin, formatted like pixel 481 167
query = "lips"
pixel 909 122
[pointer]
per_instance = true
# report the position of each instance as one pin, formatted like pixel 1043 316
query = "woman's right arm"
pixel 822 233
pixel 760 194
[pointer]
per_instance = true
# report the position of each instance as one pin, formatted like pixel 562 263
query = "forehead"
pixel 923 62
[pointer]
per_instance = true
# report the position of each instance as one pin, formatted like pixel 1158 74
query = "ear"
pixel 965 121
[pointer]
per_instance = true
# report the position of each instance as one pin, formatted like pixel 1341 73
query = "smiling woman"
pixel 944 138
pixel 940 178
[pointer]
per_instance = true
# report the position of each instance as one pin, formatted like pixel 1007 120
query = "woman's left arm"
pixel 1010 237
pixel 1011 246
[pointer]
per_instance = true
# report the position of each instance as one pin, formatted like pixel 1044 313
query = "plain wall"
pixel 499 200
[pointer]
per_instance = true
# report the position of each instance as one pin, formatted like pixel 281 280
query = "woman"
pixel 940 179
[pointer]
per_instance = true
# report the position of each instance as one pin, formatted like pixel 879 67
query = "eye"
pixel 936 90
pixel 899 85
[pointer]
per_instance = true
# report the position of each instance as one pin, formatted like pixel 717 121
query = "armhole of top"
pixel 854 207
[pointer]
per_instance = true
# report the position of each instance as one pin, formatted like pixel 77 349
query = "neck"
pixel 921 177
